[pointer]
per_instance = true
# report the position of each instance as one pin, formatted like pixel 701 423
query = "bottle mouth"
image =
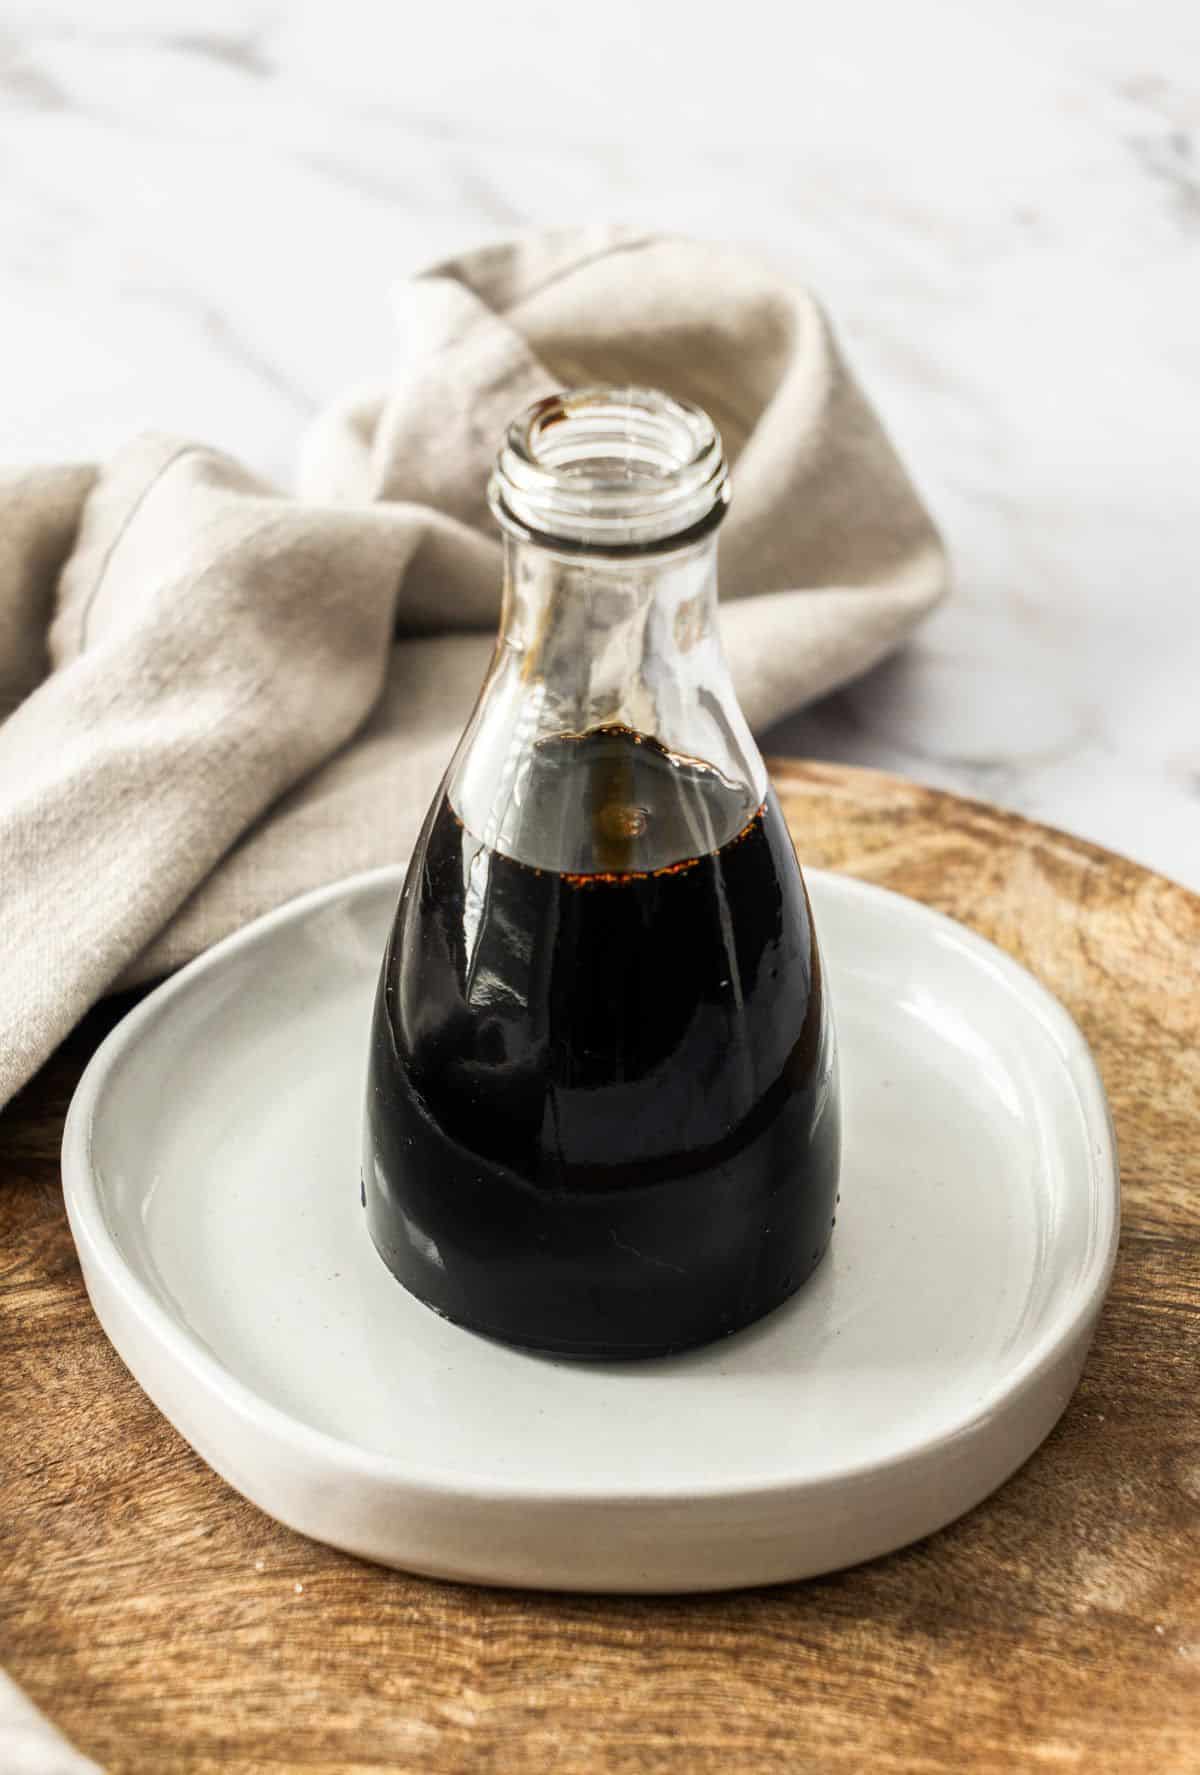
pixel 611 470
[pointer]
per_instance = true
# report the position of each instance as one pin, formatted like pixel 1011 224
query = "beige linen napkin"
pixel 214 695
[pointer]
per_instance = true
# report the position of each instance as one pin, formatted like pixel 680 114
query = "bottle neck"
pixel 611 641
pixel 589 643
pixel 610 501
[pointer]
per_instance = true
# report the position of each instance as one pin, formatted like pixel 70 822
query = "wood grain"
pixel 1056 1627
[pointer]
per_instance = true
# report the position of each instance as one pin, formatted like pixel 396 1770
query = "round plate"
pixel 211 1171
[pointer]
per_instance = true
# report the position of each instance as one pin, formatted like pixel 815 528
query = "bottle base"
pixel 596 1350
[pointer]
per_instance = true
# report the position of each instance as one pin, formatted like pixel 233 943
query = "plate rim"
pixel 97 1246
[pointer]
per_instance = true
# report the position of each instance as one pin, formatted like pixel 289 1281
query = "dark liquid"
pixel 602 1111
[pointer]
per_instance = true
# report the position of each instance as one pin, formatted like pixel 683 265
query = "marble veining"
pixel 205 203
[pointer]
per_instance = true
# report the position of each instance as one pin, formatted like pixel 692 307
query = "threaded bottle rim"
pixel 611 471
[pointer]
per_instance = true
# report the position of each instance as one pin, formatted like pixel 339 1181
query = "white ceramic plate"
pixel 211 1171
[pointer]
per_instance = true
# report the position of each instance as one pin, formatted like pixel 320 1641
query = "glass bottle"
pixel 602 1111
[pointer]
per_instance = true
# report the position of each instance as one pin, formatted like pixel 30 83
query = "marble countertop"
pixel 204 204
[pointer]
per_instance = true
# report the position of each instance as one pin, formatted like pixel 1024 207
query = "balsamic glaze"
pixel 602 1110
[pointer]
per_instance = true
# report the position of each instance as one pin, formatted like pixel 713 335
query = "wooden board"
pixel 157 1617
